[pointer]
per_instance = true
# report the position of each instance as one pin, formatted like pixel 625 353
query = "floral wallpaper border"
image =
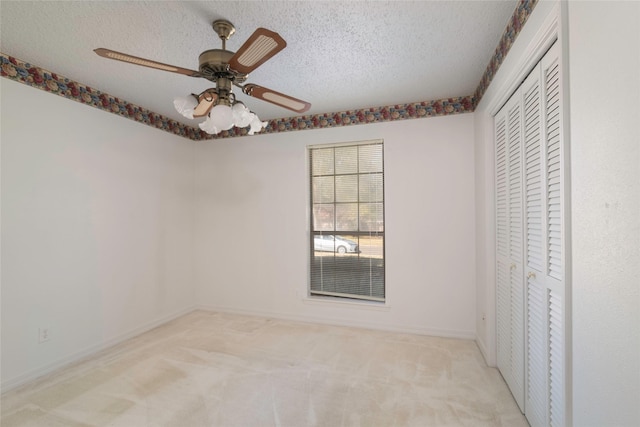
pixel 518 19
pixel 23 72
pixel 442 107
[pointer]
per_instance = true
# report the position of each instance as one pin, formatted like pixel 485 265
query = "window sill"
pixel 361 304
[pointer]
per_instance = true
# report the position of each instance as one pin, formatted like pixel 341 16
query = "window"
pixel 347 221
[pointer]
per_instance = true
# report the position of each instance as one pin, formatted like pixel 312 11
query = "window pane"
pixel 346 160
pixel 370 188
pixel 372 246
pixel 323 278
pixel 323 189
pixel 347 217
pixel 370 158
pixel 370 277
pixel 371 217
pixel 347 188
pixel 323 216
pixel 322 162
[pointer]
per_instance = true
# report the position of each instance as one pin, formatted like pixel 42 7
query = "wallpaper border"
pixel 31 75
pixel 40 78
pixel 517 21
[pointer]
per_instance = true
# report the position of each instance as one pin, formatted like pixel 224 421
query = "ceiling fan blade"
pixel 277 98
pixel 262 45
pixel 112 54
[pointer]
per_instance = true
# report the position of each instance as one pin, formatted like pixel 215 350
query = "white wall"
pixel 97 237
pixel 604 60
pixel 252 226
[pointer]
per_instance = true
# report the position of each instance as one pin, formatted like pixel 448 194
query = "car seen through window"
pixel 331 243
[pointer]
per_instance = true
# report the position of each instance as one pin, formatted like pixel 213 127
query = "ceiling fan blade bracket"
pixel 206 101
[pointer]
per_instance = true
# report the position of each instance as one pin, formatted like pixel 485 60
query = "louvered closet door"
pixel 543 239
pixel 509 244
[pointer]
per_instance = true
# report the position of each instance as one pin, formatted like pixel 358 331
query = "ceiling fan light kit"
pixel 226 69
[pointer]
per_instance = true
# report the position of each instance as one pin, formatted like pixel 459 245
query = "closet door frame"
pixel 549 27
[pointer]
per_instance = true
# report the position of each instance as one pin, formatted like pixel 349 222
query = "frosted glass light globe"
pixel 185 105
pixel 241 115
pixel 256 125
pixel 209 127
pixel 222 117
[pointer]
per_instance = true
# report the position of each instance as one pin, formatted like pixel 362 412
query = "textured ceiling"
pixel 340 55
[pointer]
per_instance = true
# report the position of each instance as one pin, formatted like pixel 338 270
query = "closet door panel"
pixel 509 248
pixel 536 399
pixel 555 282
pixel 503 265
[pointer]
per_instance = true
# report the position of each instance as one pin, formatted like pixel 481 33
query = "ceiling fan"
pixel 226 69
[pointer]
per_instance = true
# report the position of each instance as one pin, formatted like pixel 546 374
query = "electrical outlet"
pixel 44 335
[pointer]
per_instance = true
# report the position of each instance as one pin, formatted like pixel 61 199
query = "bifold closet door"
pixel 530 259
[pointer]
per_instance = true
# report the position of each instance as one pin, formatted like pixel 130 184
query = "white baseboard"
pixel 33 374
pixel 483 349
pixel 443 333
pixel 489 357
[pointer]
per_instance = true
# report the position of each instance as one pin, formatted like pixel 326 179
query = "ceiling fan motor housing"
pixel 214 63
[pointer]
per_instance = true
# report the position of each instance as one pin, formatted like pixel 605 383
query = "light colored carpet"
pixel 212 369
